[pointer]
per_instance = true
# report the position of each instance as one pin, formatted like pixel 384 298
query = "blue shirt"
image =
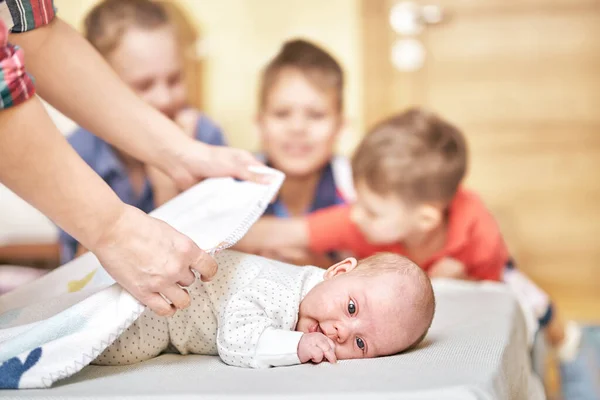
pixel 335 187
pixel 326 194
pixel 103 159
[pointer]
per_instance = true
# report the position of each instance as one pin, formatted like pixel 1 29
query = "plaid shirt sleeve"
pixel 25 15
pixel 16 85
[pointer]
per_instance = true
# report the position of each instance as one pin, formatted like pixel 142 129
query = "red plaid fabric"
pixel 16 85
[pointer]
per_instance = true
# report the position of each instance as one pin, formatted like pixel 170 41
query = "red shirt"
pixel 473 237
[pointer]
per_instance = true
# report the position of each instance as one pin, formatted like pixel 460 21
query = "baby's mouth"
pixel 315 328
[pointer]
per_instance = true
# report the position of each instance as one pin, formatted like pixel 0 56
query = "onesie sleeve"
pixel 256 328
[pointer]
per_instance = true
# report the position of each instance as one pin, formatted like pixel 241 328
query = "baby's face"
pixel 365 316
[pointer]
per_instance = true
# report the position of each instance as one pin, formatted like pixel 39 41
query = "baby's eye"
pixel 351 307
pixel 360 343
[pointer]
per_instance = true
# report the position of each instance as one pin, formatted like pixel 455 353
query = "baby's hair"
pixel 107 22
pixel 414 155
pixel 395 263
pixel 316 64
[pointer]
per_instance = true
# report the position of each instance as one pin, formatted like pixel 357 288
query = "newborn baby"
pixel 262 313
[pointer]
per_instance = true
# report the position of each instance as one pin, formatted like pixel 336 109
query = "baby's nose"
pixel 341 334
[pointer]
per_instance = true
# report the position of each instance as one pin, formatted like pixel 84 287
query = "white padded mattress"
pixel 476 349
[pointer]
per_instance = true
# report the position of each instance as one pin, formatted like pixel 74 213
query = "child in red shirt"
pixel 467 245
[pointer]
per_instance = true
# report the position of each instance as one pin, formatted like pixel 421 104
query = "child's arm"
pixel 490 253
pixel 329 229
pixel 163 187
pixel 486 253
pixel 301 257
pixel 448 268
pixel 269 234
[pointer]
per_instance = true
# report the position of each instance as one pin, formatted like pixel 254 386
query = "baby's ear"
pixel 341 268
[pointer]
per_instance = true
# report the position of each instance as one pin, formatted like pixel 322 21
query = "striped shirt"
pixel 16 85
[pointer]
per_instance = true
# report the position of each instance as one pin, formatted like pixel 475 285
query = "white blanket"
pixel 52 328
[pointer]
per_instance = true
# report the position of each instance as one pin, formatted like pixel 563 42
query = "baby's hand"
pixel 448 268
pixel 315 347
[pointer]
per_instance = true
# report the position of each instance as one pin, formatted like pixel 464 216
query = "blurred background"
pixel 521 78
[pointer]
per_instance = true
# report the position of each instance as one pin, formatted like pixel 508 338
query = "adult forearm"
pixel 38 164
pixel 75 79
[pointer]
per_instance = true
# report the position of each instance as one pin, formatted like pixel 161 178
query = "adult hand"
pixel 149 258
pixel 199 161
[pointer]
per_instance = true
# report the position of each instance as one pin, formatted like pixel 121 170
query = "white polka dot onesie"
pixel 246 315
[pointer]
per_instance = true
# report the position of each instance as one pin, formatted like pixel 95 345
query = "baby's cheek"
pixel 345 352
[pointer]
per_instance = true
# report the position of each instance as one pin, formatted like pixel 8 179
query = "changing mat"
pixel 476 349
pixel 52 328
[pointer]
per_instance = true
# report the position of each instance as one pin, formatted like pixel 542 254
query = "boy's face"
pixel 365 316
pixel 383 219
pixel 299 124
pixel 149 61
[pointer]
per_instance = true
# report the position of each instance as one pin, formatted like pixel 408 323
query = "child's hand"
pixel 270 234
pixel 448 268
pixel 289 255
pixel 315 347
